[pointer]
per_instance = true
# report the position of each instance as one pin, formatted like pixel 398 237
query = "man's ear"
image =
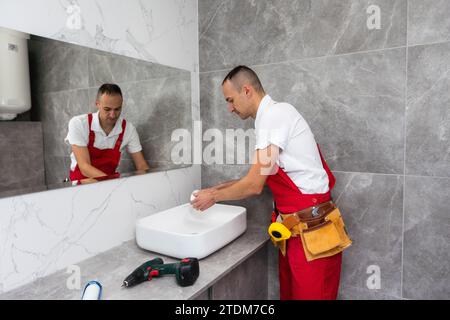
pixel 247 90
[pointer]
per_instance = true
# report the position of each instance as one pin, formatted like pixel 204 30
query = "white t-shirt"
pixel 282 125
pixel 79 135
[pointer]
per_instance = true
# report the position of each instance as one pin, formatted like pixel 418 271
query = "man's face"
pixel 109 107
pixel 238 102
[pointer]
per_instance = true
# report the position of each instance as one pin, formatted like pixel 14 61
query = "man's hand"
pixel 204 199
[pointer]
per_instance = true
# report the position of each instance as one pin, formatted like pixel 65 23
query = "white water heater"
pixel 15 97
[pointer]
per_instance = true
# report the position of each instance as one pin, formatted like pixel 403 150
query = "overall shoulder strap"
pixel 120 138
pixel 91 133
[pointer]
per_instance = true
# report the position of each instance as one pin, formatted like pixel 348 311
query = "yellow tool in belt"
pixel 280 232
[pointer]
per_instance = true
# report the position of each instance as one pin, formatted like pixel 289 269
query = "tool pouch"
pixel 325 236
pixel 321 238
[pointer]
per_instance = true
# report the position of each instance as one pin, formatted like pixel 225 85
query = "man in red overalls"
pixel 289 161
pixel 97 139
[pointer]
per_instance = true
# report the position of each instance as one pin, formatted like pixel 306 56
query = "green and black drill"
pixel 186 272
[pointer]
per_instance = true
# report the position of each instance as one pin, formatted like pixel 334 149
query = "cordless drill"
pixel 142 273
pixel 186 272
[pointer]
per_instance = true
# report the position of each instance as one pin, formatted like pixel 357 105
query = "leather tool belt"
pixel 321 229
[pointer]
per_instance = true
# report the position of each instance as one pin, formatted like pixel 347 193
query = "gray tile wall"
pixel 204 295
pixel 247 281
pixel 22 157
pixel 64 82
pixel 378 104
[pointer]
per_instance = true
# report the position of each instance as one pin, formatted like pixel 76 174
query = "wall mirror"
pixel 64 79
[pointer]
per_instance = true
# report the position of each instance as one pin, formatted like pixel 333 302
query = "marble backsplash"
pixel 44 232
pixel 157 31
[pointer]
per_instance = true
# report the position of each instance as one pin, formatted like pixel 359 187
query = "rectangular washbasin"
pixel 182 231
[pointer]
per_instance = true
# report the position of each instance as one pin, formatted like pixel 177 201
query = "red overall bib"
pixel 300 279
pixel 106 160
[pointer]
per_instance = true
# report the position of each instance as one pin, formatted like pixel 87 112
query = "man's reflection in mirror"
pixel 98 139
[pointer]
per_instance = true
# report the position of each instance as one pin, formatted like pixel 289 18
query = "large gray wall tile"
pixel 213 109
pixel 106 67
pixel 156 108
pixel 347 101
pixel 56 66
pixel 426 271
pixel 428 113
pixel 22 155
pixel 243 283
pixel 56 110
pixel 428 21
pixel 371 206
pixel 215 116
pixel 235 32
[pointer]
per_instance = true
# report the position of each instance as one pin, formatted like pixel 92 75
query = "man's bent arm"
pixel 253 183
pixel 84 162
pixel 250 185
pixel 225 184
pixel 139 161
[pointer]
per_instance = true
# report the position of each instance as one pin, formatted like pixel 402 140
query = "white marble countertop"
pixel 111 268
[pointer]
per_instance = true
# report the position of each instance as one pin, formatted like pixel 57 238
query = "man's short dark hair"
pixel 241 75
pixel 110 89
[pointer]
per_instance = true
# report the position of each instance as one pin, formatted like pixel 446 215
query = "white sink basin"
pixel 182 232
